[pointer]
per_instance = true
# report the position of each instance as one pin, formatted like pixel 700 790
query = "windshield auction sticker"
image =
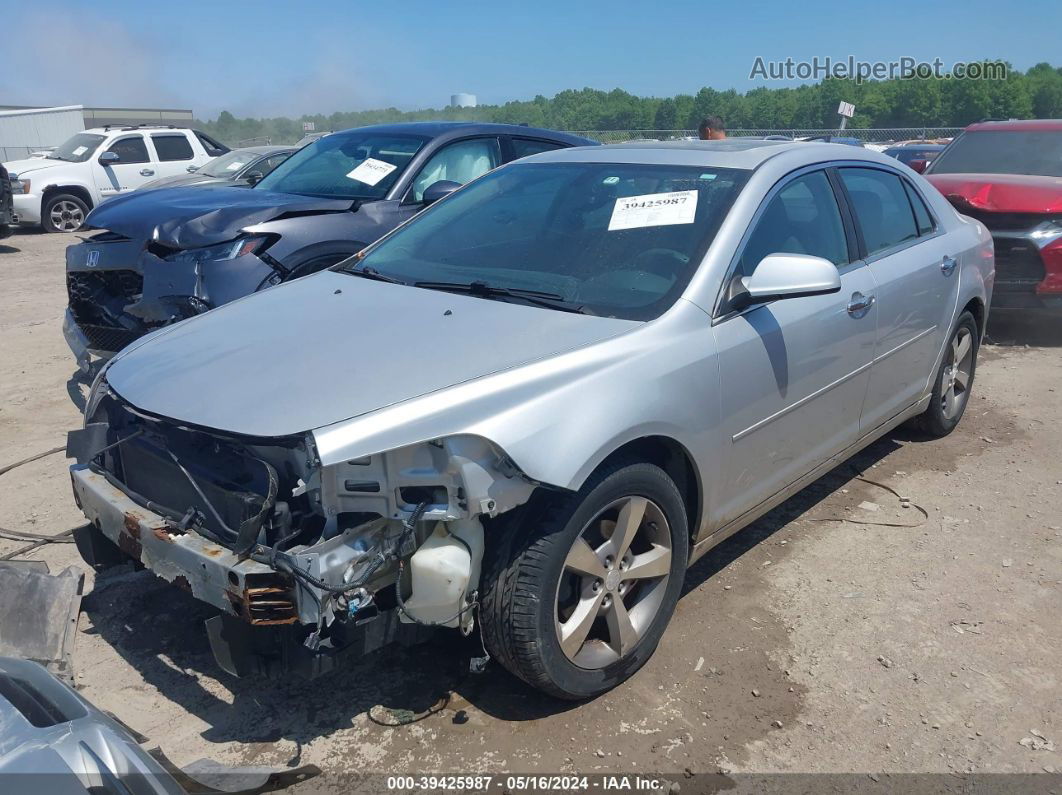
pixel 654 209
pixel 370 171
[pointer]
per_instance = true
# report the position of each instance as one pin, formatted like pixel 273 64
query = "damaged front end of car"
pixel 120 289
pixel 306 563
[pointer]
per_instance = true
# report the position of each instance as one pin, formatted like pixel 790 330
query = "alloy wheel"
pixel 613 583
pixel 958 367
pixel 66 216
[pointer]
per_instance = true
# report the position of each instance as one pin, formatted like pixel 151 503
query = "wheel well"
pixel 674 459
pixel 73 190
pixel 976 308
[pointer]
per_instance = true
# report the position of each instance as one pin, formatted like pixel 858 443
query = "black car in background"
pixel 909 153
pixel 238 168
pixel 7 212
pixel 161 256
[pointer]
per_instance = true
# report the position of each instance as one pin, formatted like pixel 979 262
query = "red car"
pixel 1008 175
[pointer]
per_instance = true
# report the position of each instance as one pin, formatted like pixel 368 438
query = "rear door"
pixel 134 167
pixel 793 372
pixel 917 284
pixel 174 154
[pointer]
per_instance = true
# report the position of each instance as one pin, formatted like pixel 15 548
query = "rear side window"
pixel 923 220
pixel 131 149
pixel 523 147
pixel 172 147
pixel 213 148
pixel 802 218
pixel 881 207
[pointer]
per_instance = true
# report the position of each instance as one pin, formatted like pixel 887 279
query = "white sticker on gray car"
pixel 370 171
pixel 654 209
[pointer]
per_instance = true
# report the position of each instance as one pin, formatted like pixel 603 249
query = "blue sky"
pixel 285 57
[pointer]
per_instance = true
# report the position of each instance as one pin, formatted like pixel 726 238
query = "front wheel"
pixel 63 212
pixel 580 596
pixel 951 390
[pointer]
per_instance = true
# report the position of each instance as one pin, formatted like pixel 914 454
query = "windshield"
pixel 78 148
pixel 1002 152
pixel 354 166
pixel 616 240
pixel 228 164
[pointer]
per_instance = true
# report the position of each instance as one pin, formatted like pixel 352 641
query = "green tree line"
pixel 934 102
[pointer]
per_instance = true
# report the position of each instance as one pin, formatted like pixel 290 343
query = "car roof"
pixel 926 147
pixel 741 153
pixel 437 129
pixel 1018 125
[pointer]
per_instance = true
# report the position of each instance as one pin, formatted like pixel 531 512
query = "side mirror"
pixel 108 159
pixel 918 165
pixel 254 177
pixel 790 276
pixel 439 190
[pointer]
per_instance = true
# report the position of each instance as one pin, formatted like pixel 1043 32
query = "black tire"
pixel 937 420
pixel 70 210
pixel 522 581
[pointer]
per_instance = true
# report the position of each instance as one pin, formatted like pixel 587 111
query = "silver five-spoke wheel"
pixel 613 584
pixel 958 368
pixel 66 216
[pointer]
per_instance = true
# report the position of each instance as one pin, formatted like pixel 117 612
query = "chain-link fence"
pixel 867 136
pixel 261 140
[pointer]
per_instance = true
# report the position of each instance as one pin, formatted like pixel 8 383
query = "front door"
pixel 793 372
pixel 133 168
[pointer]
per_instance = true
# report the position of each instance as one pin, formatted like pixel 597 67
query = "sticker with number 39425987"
pixel 654 209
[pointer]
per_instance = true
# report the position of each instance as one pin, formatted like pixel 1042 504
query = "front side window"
pixel 459 162
pixel 172 147
pixel 802 218
pixel 345 166
pixel 1002 152
pixel 618 240
pixel 881 207
pixel 77 148
pixel 130 150
pixel 267 165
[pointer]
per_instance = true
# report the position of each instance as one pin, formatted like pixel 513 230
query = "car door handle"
pixel 947 265
pixel 146 172
pixel 859 304
pixel 192 169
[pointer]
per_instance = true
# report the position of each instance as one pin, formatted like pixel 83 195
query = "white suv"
pixel 57 191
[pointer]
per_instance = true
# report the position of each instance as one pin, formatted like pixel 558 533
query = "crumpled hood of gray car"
pixel 332 346
pixel 189 217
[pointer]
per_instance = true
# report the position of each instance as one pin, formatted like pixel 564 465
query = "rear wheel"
pixel 63 212
pixel 578 601
pixel 951 391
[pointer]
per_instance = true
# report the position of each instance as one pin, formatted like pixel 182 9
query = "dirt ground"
pixel 813 641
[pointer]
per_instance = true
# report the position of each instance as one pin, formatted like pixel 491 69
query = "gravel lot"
pixel 813 641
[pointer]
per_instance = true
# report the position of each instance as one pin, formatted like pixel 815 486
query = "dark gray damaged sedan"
pixel 165 255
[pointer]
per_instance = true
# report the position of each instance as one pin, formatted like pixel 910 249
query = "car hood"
pixel 331 347
pixel 188 217
pixel 1001 193
pixel 31 164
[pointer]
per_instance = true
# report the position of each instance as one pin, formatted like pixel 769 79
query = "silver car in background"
pixel 537 403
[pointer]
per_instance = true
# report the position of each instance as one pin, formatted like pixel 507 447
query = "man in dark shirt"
pixel 711 129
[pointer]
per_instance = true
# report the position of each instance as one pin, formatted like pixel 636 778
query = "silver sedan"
pixel 536 404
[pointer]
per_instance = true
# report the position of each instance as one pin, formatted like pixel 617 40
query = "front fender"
pixel 557 419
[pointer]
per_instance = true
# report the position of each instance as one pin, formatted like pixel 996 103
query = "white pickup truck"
pixel 57 191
